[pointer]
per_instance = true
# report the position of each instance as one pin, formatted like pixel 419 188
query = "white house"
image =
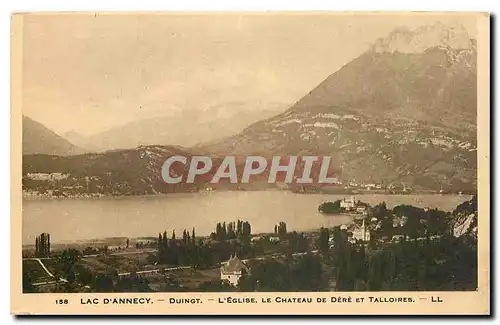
pixel 361 209
pixel 397 238
pixel 362 234
pixel 348 204
pixel 233 270
pixel 274 239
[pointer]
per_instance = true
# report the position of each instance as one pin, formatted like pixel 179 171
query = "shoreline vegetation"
pixel 405 248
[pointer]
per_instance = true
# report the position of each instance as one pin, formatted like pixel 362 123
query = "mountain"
pixel 185 128
pixel 38 139
pixel 75 138
pixel 403 112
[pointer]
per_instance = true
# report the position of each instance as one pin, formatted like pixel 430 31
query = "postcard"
pixel 250 163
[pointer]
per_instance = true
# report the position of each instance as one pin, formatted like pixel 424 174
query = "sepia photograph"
pixel 250 153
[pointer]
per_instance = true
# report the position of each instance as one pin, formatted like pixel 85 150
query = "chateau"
pixel 348 204
pixel 233 270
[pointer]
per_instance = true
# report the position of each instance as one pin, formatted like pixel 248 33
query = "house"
pixel 435 237
pixel 348 204
pixel 331 242
pixel 274 239
pixel 369 186
pixel 362 233
pixel 361 209
pixel 232 270
pixel 256 238
pixel 397 238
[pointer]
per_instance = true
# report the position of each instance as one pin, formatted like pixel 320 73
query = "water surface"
pixel 77 219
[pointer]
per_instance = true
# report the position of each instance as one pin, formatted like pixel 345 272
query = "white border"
pixel 7 7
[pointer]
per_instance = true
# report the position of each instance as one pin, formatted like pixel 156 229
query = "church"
pixel 362 233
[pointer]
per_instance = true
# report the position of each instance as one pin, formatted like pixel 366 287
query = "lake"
pixel 77 219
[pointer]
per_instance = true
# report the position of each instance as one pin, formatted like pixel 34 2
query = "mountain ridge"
pixel 212 124
pixel 386 117
pixel 38 139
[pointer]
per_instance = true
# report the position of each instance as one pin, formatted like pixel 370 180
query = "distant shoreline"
pixel 27 196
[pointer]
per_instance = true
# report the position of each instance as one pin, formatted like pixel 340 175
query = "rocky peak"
pixel 403 40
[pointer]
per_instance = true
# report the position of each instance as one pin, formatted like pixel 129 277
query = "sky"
pixel 88 73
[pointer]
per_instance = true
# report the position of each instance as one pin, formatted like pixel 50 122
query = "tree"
pixel 223 235
pixel 42 245
pixel 268 275
pixel 71 277
pixel 384 216
pixel 342 255
pixel 246 231
pixel 165 239
pixel 282 232
pixel 231 234
pixel 103 283
pixel 331 207
pixel 133 283
pixel 215 286
pixel 323 240
pixel 239 229
pixel 67 260
pixel 28 280
pixel 411 217
pixel 307 274
pixel 437 222
pixel 297 243
pixel 160 243
pixel 85 275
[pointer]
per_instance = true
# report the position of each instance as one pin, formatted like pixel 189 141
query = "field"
pixel 184 280
pixel 35 271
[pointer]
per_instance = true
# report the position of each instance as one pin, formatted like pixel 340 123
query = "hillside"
pixel 404 112
pixel 38 139
pixel 121 172
pixel 465 219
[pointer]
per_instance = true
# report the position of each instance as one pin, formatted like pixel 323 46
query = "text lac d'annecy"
pixel 303 170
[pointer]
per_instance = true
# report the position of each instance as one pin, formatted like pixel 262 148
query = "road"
pixel 46 271
pixel 44 268
pixel 147 272
pixel 124 253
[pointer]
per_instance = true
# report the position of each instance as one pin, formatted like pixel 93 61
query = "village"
pixel 231 258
